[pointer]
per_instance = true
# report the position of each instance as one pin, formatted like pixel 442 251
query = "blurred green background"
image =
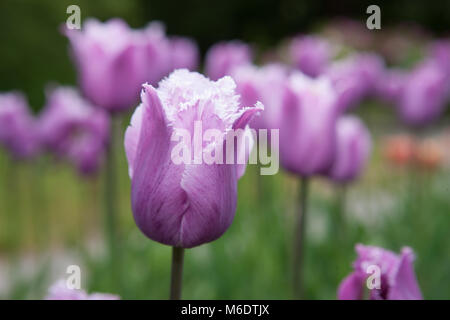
pixel 59 219
pixel 34 53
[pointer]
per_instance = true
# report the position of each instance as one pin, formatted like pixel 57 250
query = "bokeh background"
pixel 58 215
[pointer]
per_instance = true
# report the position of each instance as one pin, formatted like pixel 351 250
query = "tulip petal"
pixel 211 196
pixel 155 186
pixel 404 284
pixel 351 288
pixel 132 138
pixel 245 143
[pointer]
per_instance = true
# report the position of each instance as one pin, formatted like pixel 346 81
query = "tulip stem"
pixel 177 273
pixel 111 200
pixel 299 239
pixel 339 216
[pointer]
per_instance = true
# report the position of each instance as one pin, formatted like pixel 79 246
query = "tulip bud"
pixel 17 126
pixel 354 78
pixel 308 125
pixel 72 128
pixel 311 55
pixel 423 95
pixel 113 61
pixel 352 149
pixel 265 84
pixel 183 54
pixel 223 57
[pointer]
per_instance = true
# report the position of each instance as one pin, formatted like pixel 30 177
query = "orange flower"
pixel 399 149
pixel 428 155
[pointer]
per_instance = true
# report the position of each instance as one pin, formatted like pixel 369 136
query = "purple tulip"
pixel 113 61
pixel 265 84
pixel 308 125
pixel 60 291
pixel 310 54
pixel 183 54
pixel 397 278
pixel 184 204
pixel 423 95
pixel 390 84
pixel 74 129
pixel 440 52
pixel 352 149
pixel 224 56
pixel 354 78
pixel 17 126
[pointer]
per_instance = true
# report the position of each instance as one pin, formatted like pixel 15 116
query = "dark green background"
pixel 33 52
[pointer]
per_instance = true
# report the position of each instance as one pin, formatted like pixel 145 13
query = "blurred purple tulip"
pixel 440 52
pixel 355 78
pixel 183 54
pixel 265 84
pixel 74 129
pixel 183 205
pixel 352 149
pixel 397 278
pixel 423 95
pixel 308 125
pixel 17 126
pixel 390 85
pixel 310 54
pixel 60 291
pixel 222 57
pixel 114 60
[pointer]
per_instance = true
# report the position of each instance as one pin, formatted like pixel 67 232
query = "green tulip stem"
pixel 177 273
pixel 299 240
pixel 112 200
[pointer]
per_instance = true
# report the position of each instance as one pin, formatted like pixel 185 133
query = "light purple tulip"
pixel 308 125
pixel 223 57
pixel 60 291
pixel 352 150
pixel 183 54
pixel 72 128
pixel 113 61
pixel 265 84
pixel 397 278
pixel 310 54
pixel 423 95
pixel 17 126
pixel 354 78
pixel 183 205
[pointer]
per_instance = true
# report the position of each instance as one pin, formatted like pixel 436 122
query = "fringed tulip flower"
pixel 17 126
pixel 352 149
pixel 74 129
pixel 308 125
pixel 183 54
pixel 354 78
pixel 265 84
pixel 310 54
pixel 60 291
pixel 223 57
pixel 113 61
pixel 189 203
pixel 423 95
pixel 397 280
